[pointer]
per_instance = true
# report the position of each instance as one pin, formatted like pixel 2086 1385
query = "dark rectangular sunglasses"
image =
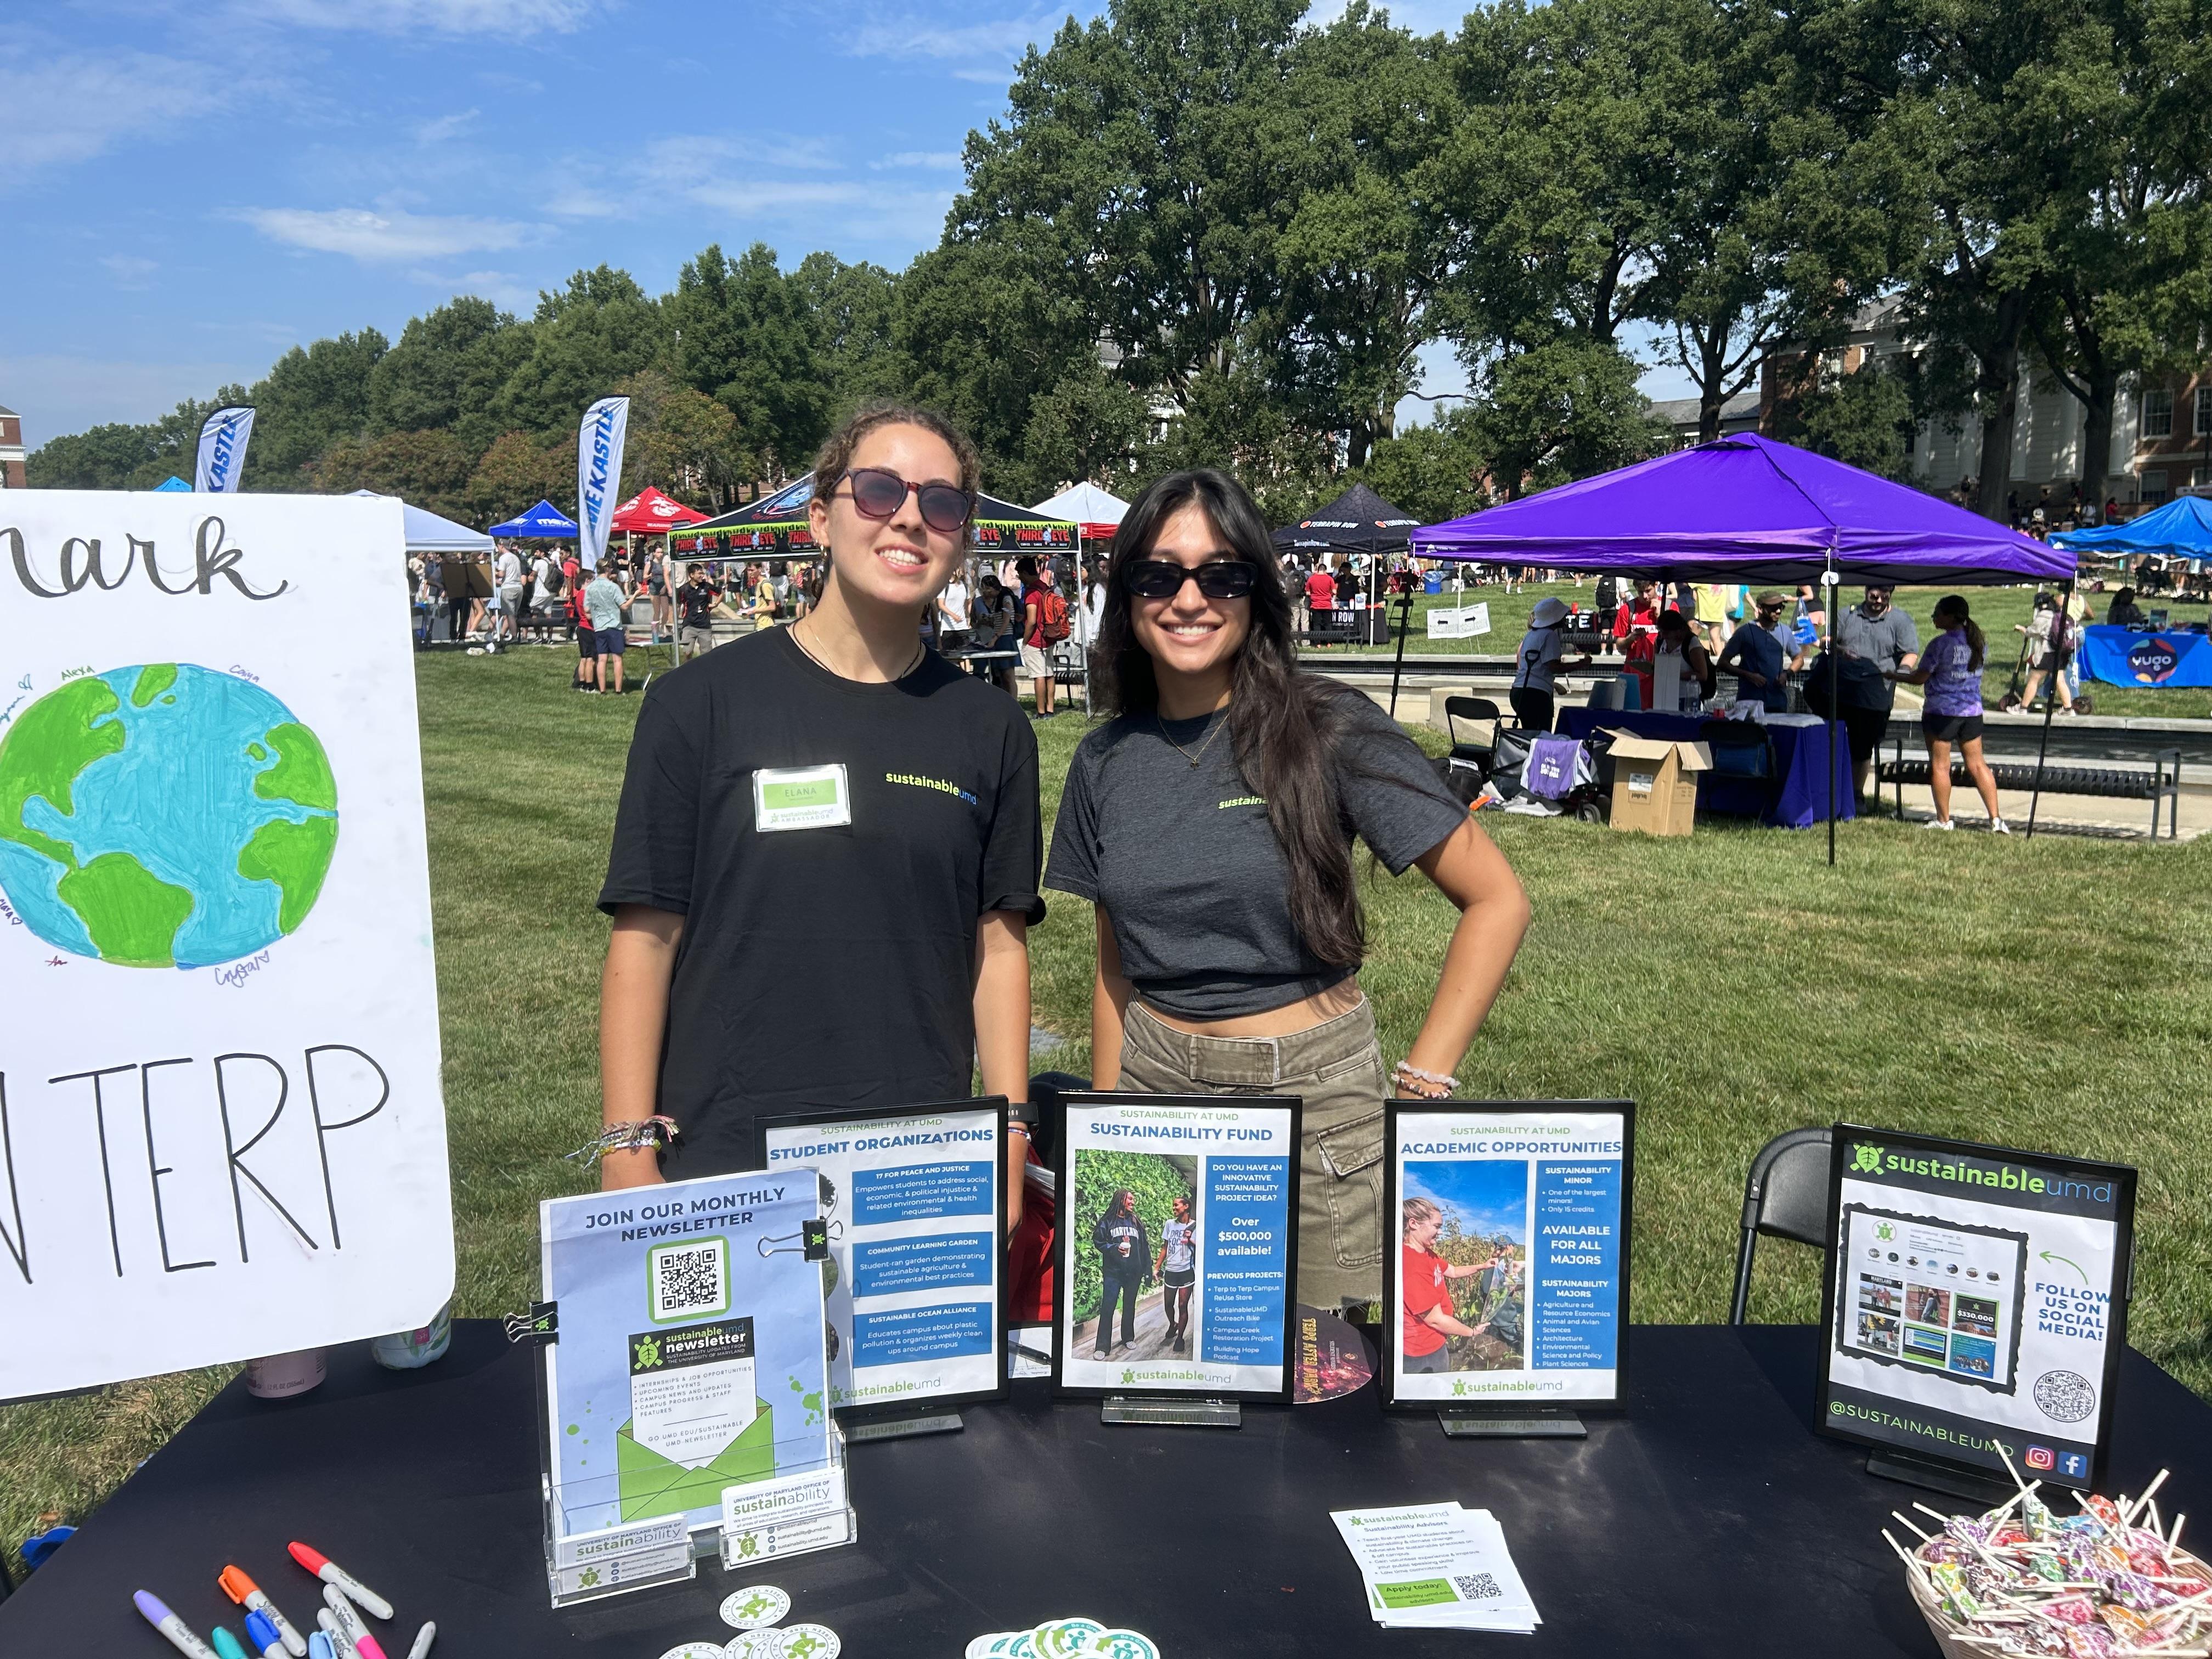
pixel 878 491
pixel 1163 579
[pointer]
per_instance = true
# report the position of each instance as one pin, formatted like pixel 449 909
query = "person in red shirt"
pixel 1321 591
pixel 1423 1287
pixel 1636 629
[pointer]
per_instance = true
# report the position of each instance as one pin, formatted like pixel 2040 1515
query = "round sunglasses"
pixel 1163 579
pixel 878 493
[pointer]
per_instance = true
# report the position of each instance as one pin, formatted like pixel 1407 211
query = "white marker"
pixel 341 1644
pixel 179 1634
pixel 423 1637
pixel 350 1621
pixel 331 1573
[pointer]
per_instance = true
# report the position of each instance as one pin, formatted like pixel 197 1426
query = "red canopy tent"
pixel 651 513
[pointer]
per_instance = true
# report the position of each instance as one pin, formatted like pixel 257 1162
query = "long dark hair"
pixel 1954 607
pixel 1286 727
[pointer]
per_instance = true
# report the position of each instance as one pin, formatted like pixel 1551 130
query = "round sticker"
pixel 1121 1645
pixel 694 1651
pixel 1059 1638
pixel 755 1607
pixel 807 1642
pixel 981 1647
pixel 751 1644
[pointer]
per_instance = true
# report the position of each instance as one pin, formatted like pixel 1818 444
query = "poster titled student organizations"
pixel 913 1202
pixel 1508 1276
pixel 1977 1296
pixel 1176 1243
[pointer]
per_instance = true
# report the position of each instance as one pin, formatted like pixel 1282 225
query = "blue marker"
pixel 261 1630
pixel 319 1647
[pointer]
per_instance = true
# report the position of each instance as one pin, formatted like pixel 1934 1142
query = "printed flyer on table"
pixel 1175 1245
pixel 913 1204
pixel 1511 1227
pixel 691 1355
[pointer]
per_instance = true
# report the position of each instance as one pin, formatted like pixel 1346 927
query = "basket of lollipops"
pixel 2110 1581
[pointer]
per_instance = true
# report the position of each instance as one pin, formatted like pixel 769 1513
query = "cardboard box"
pixel 1655 784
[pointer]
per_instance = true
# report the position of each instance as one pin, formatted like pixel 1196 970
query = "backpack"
pixel 1051 617
pixel 1608 593
pixel 554 578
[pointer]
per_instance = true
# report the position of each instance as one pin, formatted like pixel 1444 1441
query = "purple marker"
pixel 179 1634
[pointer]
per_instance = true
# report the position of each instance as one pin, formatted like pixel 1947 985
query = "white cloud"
pixel 501 288
pixel 937 159
pixel 1002 38
pixel 390 234
pixel 130 271
pixel 436 131
pixel 512 18
pixel 68 109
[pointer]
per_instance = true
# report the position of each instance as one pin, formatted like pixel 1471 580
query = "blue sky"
pixel 1490 1196
pixel 187 187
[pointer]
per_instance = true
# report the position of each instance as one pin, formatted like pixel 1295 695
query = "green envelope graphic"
pixel 653 1485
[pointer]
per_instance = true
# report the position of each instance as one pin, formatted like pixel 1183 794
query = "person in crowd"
pixel 1093 607
pixel 1810 621
pixel 1606 597
pixel 1638 617
pixel 879 951
pixel 656 591
pixel 2053 633
pixel 1711 600
pixel 1119 1237
pixel 1542 657
pixel 1044 625
pixel 1320 593
pixel 457 602
pixel 1693 679
pixel 952 617
pixel 1211 823
pixel 429 589
pixel 1175 1266
pixel 606 608
pixel 506 631
pixel 2125 612
pixel 580 618
pixel 1951 669
pixel 1759 656
pixel 694 609
pixel 1428 1317
pixel 537 585
pixel 1002 626
pixel 1873 640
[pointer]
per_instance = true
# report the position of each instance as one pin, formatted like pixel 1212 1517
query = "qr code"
pixel 690 1280
pixel 1478 1587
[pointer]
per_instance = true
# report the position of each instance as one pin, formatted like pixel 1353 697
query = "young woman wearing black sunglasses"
pixel 1212 823
pixel 825 862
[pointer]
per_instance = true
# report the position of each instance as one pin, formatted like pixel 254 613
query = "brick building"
pixel 11 450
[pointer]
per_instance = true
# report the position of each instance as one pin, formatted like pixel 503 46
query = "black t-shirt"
pixel 828 967
pixel 1185 861
pixel 695 600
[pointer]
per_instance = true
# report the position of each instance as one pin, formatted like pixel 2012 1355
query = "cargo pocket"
pixel 1352 1156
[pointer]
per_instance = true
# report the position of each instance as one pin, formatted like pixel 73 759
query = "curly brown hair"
pixel 835 458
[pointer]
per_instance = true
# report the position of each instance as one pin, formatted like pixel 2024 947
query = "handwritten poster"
pixel 221 1129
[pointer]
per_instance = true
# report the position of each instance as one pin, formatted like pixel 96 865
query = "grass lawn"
pixel 2052 995
pixel 1999 610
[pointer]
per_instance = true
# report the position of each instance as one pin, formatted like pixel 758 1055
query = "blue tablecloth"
pixel 2121 656
pixel 1795 798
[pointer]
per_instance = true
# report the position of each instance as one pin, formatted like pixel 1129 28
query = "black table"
pixel 1709 1520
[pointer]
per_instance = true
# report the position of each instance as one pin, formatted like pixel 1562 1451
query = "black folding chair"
pixel 1470 708
pixel 1784 1196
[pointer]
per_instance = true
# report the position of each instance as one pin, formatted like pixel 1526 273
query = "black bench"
pixel 1326 636
pixel 2161 783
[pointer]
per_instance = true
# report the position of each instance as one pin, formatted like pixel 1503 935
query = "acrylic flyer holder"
pixel 682 1377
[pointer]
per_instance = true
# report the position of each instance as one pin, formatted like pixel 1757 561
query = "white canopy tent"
pixel 1087 506
pixel 429 533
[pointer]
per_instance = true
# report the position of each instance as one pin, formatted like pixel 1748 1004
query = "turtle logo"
pixel 754 1606
pixel 588 1579
pixel 1884 1231
pixel 749 1545
pixel 1868 1158
pixel 648 1353
pixel 803 1646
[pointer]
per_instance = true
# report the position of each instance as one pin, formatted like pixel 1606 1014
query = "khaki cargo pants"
pixel 1336 1068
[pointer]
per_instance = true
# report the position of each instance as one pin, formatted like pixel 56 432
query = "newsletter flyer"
pixel 915 1206
pixel 1509 1283
pixel 1177 1244
pixel 691 1354
pixel 1977 1299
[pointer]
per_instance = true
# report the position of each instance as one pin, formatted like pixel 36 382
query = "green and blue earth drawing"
pixel 163 815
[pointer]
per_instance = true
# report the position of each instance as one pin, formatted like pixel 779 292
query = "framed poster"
pixel 915 1198
pixel 1975 1297
pixel 222 1133
pixel 692 1354
pixel 1508 1285
pixel 1177 1246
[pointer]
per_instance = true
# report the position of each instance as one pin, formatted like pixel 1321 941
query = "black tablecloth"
pixel 1709 1519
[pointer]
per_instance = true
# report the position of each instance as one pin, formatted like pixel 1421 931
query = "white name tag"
pixel 801 797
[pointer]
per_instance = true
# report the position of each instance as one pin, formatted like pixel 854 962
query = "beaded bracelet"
pixel 632 1136
pixel 1413 1076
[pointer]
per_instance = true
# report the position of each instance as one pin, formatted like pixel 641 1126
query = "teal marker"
pixel 228 1646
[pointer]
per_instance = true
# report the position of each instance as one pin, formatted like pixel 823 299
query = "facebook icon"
pixel 2073 1464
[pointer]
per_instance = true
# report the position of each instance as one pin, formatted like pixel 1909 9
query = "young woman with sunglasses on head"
pixel 1211 822
pixel 825 862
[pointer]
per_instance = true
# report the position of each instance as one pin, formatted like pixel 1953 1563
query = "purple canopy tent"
pixel 1747 509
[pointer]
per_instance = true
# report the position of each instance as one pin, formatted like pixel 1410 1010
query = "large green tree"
pixel 600 328
pixel 312 397
pixel 744 334
pixel 448 371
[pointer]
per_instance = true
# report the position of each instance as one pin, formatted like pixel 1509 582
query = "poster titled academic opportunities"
pixel 691 1355
pixel 1974 1300
pixel 1510 1269
pixel 1177 1242
pixel 913 1274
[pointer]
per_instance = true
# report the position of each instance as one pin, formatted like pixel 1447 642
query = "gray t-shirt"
pixel 1872 647
pixel 1185 861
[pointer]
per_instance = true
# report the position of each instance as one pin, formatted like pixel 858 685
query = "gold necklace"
pixel 1194 759
pixel 920 652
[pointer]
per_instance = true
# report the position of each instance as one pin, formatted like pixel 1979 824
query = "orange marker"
pixel 248 1595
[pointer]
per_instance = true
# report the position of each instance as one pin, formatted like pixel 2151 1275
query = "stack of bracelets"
pixel 634 1136
pixel 1429 1086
